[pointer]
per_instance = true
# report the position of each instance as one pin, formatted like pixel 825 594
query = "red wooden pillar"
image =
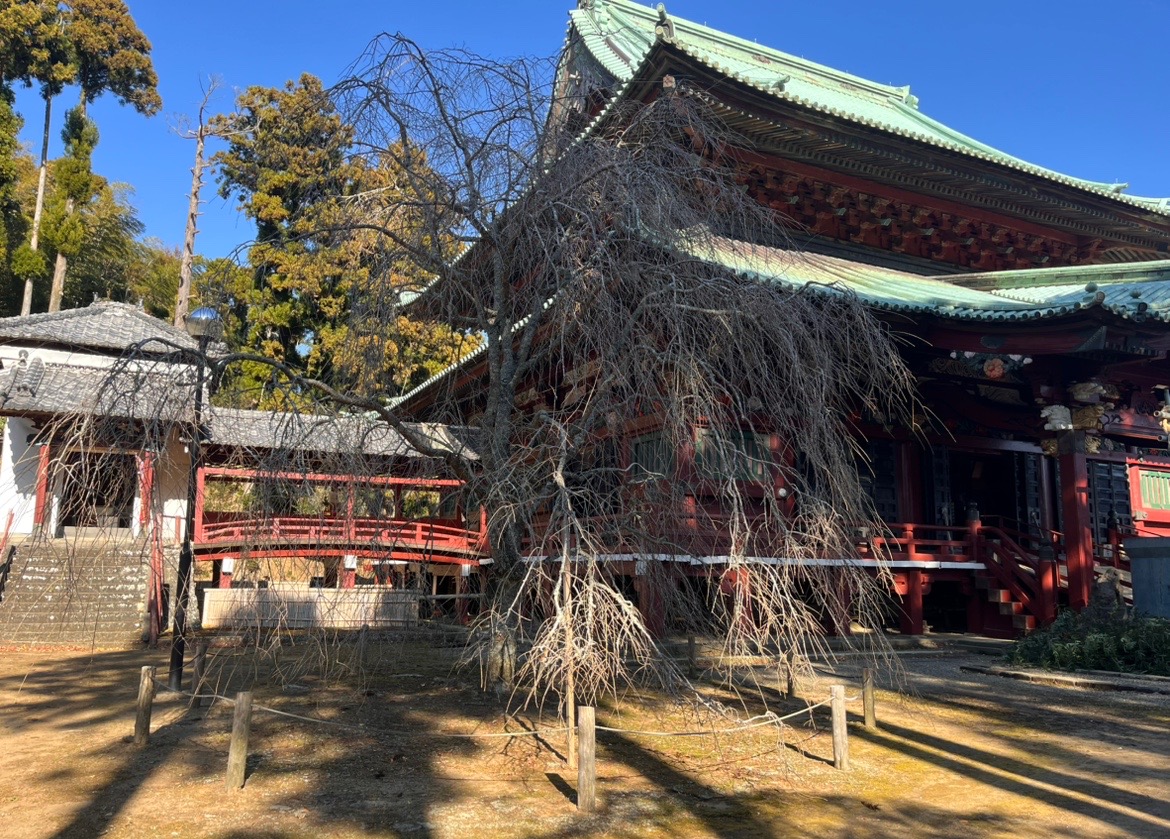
pixel 912 604
pixel 200 486
pixel 41 510
pixel 349 504
pixel 348 577
pixel 976 606
pixel 226 568
pixel 736 583
pixel 650 602
pixel 1049 585
pixel 909 482
pixel 154 598
pixel 1078 533
pixel 145 489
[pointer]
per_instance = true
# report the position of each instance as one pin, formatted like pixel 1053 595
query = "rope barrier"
pixel 766 719
pixel 752 723
pixel 361 728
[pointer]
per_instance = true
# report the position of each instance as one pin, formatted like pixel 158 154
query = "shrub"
pixel 1134 644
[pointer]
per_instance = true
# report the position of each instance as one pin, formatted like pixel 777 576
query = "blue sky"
pixel 1079 86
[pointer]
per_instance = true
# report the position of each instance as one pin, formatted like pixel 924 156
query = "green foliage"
pixel 13 222
pixel 111 54
pixel 34 47
pixel 154 278
pixel 1087 641
pixel 29 263
pixel 96 45
pixel 289 164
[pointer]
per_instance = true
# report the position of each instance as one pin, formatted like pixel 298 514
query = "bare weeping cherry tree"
pixel 652 407
pixel 637 399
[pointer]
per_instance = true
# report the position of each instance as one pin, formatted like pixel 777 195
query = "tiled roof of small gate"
pixel 146 392
pixel 326 433
pixel 620 34
pixel 101 326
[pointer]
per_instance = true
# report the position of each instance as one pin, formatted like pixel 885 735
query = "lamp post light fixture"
pixel 204 325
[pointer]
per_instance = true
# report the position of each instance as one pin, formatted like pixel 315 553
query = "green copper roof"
pixel 621 33
pixel 1137 290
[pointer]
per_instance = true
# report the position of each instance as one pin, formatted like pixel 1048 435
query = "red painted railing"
pixel 919 542
pixel 282 534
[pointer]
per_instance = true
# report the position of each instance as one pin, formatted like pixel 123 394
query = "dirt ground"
pixel 968 755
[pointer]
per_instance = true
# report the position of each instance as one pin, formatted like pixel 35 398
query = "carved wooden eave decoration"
pixel 861 185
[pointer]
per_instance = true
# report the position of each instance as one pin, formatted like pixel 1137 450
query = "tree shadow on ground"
pixel 1111 807
pixel 356 772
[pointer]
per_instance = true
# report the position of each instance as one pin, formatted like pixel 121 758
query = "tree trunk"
pixel 183 299
pixel 34 242
pixel 570 686
pixel 62 265
pixel 59 270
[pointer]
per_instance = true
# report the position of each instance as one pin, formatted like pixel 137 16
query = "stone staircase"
pixel 77 592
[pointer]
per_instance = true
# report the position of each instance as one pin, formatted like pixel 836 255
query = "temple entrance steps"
pixel 1005 603
pixel 85 592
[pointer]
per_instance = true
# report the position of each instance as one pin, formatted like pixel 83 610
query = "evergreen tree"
pixel 110 55
pixel 289 163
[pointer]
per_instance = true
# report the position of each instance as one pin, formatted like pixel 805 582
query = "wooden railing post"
pixel 974 524
pixel 910 543
pixel 145 705
pixel 198 671
pixel 586 759
pixel 840 732
pixel 238 750
pixel 867 698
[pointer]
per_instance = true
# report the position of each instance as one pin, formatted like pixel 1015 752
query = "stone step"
pixel 1026 622
pixel 68 593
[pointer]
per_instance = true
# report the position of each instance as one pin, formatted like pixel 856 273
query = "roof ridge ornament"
pixel 907 98
pixel 664 29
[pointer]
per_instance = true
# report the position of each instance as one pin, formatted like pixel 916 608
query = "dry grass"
pixel 970 756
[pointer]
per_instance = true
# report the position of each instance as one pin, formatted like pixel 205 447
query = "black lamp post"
pixel 204 325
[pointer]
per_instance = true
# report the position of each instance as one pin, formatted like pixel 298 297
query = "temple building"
pixel 1035 306
pixel 96 477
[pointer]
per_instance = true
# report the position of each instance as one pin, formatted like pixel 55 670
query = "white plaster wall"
pixel 173 465
pixel 18 476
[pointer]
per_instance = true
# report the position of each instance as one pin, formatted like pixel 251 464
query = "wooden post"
pixel 586 759
pixel 840 734
pixel 145 704
pixel 790 673
pixel 197 672
pixel 692 659
pixel 867 697
pixel 361 646
pixel 238 750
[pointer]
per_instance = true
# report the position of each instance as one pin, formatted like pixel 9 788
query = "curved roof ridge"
pixel 104 325
pixel 623 9
pixel 608 26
